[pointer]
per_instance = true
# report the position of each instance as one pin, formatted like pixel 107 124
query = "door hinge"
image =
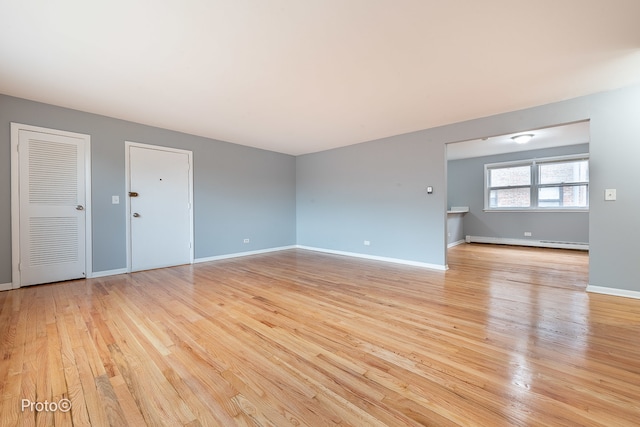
pixel 19 266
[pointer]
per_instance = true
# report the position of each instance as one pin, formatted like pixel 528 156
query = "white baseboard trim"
pixel 107 273
pixel 525 242
pixel 613 291
pixel 6 286
pixel 452 244
pixel 377 258
pixel 241 254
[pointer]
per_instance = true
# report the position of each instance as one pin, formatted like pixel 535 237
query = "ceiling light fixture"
pixel 522 139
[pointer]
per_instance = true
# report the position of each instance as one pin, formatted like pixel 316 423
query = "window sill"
pixel 571 210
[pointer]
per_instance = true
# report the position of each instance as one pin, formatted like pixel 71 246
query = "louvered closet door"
pixel 52 215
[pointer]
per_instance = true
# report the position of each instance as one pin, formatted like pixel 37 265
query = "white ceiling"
pixel 300 76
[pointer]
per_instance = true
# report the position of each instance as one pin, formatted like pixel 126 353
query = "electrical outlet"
pixel 246 240
pixel 367 243
pixel 115 200
pixel 527 234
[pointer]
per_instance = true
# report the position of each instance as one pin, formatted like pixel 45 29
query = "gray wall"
pixel 375 190
pixel 466 188
pixel 239 192
pixel 455 227
pixel 372 191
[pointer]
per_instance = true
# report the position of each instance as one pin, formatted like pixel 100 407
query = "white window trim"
pixel 529 162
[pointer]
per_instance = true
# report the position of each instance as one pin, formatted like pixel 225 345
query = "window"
pixel 540 184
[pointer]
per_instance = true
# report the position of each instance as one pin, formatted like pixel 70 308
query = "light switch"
pixel 610 194
pixel 115 200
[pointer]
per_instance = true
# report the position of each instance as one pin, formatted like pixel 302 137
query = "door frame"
pixel 15 197
pixel 127 165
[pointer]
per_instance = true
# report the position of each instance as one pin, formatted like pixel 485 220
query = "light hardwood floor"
pixel 506 337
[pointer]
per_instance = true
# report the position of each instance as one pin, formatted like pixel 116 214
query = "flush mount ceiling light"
pixel 522 139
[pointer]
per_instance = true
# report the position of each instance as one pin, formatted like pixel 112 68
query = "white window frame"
pixel 534 185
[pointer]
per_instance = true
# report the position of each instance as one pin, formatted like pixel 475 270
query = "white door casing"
pixel 160 223
pixel 51 214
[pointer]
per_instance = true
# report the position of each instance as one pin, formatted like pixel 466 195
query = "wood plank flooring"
pixel 506 337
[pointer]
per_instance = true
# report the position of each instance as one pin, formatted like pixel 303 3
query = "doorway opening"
pixel 534 194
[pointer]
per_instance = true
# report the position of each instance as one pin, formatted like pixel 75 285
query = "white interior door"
pixel 52 219
pixel 160 207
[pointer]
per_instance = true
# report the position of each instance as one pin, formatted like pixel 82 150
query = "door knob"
pixel 79 208
pixel 136 215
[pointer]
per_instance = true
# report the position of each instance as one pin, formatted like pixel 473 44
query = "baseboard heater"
pixel 528 242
